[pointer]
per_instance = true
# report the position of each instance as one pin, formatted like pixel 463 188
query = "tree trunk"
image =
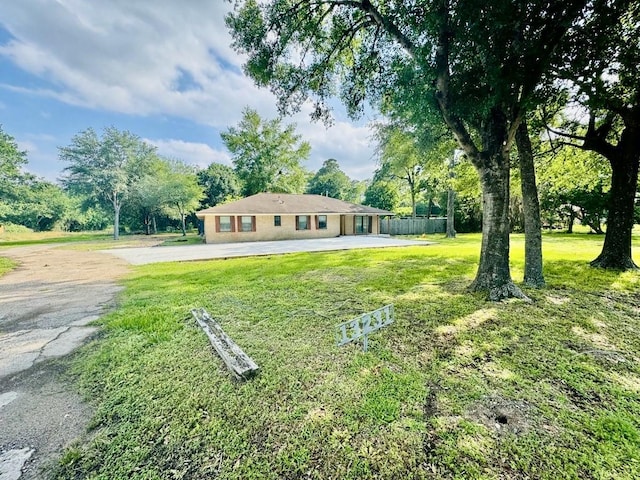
pixel 147 224
pixel 493 275
pixel 616 251
pixel 533 274
pixel 451 202
pixel 571 220
pixel 155 225
pixel 116 220
pixel 183 218
pixel 413 204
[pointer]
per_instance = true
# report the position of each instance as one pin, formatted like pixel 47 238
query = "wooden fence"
pixel 412 226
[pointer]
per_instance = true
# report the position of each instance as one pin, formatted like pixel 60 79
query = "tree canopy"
pixel 331 181
pixel 12 159
pixel 219 183
pixel 266 155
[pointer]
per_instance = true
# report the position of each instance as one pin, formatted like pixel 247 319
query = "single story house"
pixel 282 216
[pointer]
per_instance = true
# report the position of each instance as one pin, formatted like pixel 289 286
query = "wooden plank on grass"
pixel 238 362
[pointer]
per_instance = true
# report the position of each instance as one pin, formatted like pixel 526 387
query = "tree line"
pixel 119 176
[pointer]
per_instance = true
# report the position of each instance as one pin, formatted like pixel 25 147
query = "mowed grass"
pixel 457 387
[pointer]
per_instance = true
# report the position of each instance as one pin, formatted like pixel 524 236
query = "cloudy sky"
pixel 161 69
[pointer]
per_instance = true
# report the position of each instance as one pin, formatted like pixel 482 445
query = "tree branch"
pixel 390 27
pixel 564 134
pixel 442 85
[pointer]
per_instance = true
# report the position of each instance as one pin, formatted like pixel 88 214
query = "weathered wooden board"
pixel 238 362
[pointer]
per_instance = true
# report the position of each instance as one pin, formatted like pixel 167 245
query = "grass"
pixel 176 241
pixel 17 239
pixel 96 240
pixel 455 388
pixel 6 265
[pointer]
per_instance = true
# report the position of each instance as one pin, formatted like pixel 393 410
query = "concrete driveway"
pixel 144 255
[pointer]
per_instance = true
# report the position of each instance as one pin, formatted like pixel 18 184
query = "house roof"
pixel 289 204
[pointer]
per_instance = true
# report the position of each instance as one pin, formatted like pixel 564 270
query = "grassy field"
pixel 456 388
pixel 9 239
pixel 95 240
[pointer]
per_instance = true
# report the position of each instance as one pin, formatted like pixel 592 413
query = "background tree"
pixel 182 190
pixel 329 180
pixel 468 199
pixel 106 168
pixel 266 156
pixel 219 183
pixel 356 191
pixel 83 214
pixel 402 159
pixel 477 62
pixel 39 204
pixel 149 195
pixel 382 192
pixel 12 159
pixel 574 185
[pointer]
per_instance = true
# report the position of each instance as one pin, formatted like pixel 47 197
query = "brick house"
pixel 282 216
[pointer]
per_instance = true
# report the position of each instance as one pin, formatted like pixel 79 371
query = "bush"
pixel 13 228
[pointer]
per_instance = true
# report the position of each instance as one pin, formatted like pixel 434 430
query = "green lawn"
pixel 456 388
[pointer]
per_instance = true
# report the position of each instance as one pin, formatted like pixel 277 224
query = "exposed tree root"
pixel 500 292
pixel 610 262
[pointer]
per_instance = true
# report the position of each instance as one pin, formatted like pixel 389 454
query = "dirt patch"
pixel 46 306
pixel 501 415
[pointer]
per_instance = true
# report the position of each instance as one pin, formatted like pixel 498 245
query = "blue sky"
pixel 161 69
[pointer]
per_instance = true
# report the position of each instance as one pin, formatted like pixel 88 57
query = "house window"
pixel 303 222
pixel 277 221
pixel 362 225
pixel 247 223
pixel 321 222
pixel 224 223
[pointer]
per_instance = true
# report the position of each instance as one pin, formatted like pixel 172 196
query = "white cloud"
pixel 161 58
pixel 28 146
pixel 131 57
pixel 199 154
pixel 347 142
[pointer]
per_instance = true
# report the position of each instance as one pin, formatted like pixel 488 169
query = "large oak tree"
pixel 478 62
pixel 601 67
